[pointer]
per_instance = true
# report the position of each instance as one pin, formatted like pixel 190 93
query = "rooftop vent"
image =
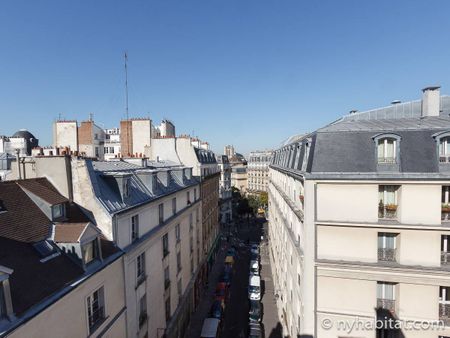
pixel 353 111
pixel 396 102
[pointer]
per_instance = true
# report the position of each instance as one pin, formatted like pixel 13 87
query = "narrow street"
pixel 235 320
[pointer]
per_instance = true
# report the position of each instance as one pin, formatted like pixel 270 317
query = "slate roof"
pixel 69 232
pixel 347 147
pixel 23 220
pixel 107 192
pixel 22 225
pixel 205 156
pixel 42 188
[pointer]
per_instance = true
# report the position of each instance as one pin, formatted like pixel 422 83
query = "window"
pixel 167 309
pixel 161 213
pixel 166 278
pixel 444 303
pixel 387 195
pixel 126 187
pixel 387 244
pixel 134 228
pixel 188 197
pixel 3 313
pixel 90 251
pixel 445 249
pixel 111 150
pixel 191 243
pixel 197 215
pixel 142 310
pixel 178 262
pixel 445 208
pixel 174 206
pixel 192 265
pixel 177 233
pixel 444 148
pixel 140 267
pixel 58 211
pixel 180 289
pixel 387 150
pixel 165 243
pixel 96 152
pixel 191 221
pixel 195 194
pixel 96 309
pixel 386 296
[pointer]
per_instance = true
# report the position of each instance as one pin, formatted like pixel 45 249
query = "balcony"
pixel 387 255
pixel 444 159
pixel 444 313
pixel 387 211
pixel 388 160
pixel 386 304
pixel 445 212
pixel 445 258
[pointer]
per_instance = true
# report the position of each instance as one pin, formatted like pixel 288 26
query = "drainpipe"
pixel 18 163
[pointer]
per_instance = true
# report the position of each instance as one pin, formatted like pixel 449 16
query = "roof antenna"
pixel 126 104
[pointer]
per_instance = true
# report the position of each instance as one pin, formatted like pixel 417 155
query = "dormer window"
pixel 444 149
pixel 2 207
pixel 126 187
pixel 58 211
pixel 387 150
pixel 90 251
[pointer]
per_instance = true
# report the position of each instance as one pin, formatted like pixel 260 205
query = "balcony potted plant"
pixel 445 212
pixel 391 207
pixel 446 208
pixel 302 197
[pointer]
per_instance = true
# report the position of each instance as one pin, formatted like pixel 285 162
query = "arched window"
pixel 387 148
pixel 444 146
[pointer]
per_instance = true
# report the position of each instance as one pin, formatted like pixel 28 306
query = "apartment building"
pixel 258 171
pixel 358 222
pixel 225 193
pixel 59 276
pixel 153 213
pixel 86 138
pixel 195 153
pixel 239 177
pixel 112 147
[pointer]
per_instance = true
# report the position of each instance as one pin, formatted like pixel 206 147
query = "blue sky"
pixel 243 72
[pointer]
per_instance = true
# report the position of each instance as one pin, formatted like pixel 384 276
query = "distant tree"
pixel 264 199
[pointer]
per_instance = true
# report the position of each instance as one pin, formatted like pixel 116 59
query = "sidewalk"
pixel 272 325
pixel 206 299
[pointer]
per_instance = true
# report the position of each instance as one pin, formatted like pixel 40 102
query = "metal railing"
pixel 387 304
pixel 444 159
pixel 387 211
pixel 445 216
pixel 444 313
pixel 388 160
pixel 95 318
pixel 387 255
pixel 445 258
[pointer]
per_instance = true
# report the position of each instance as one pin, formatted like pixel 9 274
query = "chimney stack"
pixel 431 101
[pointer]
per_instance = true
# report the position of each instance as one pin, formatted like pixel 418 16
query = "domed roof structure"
pixel 24 134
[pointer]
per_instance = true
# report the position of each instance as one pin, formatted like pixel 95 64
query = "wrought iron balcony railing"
pixel 387 255
pixel 444 313
pixel 387 304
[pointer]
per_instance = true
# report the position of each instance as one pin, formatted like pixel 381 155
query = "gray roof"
pixel 347 148
pixel 105 174
pixel 205 156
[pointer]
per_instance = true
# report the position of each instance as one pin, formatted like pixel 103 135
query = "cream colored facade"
pixel 68 317
pixel 366 238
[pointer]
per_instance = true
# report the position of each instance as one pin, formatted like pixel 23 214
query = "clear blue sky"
pixel 244 72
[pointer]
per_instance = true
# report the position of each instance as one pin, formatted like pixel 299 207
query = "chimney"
pixel 19 172
pixel 431 100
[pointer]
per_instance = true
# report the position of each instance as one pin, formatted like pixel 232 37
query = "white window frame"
pixel 384 286
pixel 140 267
pixel 89 308
pixel 134 227
pixel 385 236
pixel 385 148
pixel 443 294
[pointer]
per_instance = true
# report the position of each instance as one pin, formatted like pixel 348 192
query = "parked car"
pixel 210 328
pixel 217 309
pixel 254 314
pixel 226 278
pixel 221 291
pixel 254 248
pixel 254 267
pixel 231 252
pixel 254 330
pixel 254 256
pixel 254 287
